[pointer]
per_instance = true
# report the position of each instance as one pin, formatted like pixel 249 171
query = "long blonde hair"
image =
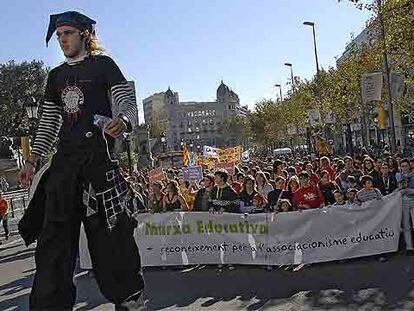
pixel 94 47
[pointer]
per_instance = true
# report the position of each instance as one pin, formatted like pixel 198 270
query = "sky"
pixel 191 45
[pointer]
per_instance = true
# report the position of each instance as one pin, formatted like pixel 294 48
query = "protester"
pixel 313 177
pixel 4 207
pixel 223 198
pixel 259 203
pixel 283 205
pixel 327 188
pixel 247 194
pixel 351 195
pixel 156 197
pixel 277 193
pixel 368 192
pixel 173 199
pixel 340 199
pixel 386 182
pixel 325 165
pixel 350 170
pixel 202 199
pixel 405 179
pixel 262 184
pixel 308 195
pixel 292 186
pixel 189 191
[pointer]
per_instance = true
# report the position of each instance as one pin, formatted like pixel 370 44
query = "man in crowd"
pixel 223 198
pixel 4 207
pixel 386 182
pixel 350 170
pixel 202 199
pixel 308 195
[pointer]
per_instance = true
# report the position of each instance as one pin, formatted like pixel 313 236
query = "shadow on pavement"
pixel 19 289
pixel 351 285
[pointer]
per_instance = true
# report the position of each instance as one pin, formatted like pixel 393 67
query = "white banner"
pixel 371 86
pixel 310 236
pixel 210 152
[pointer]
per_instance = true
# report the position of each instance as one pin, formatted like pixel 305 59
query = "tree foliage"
pixel 336 91
pixel 20 84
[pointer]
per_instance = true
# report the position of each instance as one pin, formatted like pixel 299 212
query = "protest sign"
pixel 156 174
pixel 229 167
pixel 192 173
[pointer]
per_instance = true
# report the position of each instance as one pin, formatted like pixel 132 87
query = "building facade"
pixel 200 123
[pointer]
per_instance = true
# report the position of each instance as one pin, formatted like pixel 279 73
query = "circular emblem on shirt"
pixel 72 98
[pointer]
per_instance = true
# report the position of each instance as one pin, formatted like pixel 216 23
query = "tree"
pixel 20 83
pixel 236 130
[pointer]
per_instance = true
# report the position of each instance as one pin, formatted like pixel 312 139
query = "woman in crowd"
pixel 173 199
pixel 247 194
pixel 263 186
pixel 189 191
pixel 283 205
pixel 278 167
pixel 327 187
pixel 325 165
pixel 368 166
pixel 292 187
pixel 156 197
pixel 277 194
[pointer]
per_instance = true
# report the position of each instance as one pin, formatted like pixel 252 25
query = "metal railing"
pixel 18 200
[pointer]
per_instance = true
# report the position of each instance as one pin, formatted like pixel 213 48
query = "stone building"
pixel 200 123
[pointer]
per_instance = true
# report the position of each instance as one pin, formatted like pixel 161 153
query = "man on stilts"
pixel 82 182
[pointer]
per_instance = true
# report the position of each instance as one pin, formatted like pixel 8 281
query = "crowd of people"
pixel 277 185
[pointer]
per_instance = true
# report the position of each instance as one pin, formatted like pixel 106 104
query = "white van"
pixel 282 152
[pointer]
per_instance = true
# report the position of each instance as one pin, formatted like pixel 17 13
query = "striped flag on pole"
pixel 186 156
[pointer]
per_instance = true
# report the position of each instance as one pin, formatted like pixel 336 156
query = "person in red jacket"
pixel 4 206
pixel 308 195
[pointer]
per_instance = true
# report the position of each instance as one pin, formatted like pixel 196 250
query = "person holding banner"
pixel 308 195
pixel 156 198
pixel 247 194
pixel 223 198
pixel 202 199
pixel 173 199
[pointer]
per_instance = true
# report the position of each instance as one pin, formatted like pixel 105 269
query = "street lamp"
pixel 31 109
pixel 312 24
pixel 280 91
pixel 163 141
pixel 291 76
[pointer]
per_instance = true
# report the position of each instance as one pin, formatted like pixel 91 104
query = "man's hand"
pixel 116 128
pixel 26 175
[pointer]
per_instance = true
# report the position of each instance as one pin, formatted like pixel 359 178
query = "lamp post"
pixel 280 91
pixel 312 24
pixel 163 141
pixel 31 110
pixel 150 157
pixel 291 76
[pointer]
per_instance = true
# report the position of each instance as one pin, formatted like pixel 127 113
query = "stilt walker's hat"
pixel 70 18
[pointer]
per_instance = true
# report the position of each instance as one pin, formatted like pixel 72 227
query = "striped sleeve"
pixel 48 130
pixel 124 102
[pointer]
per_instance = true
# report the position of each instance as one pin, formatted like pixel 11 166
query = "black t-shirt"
pixel 82 90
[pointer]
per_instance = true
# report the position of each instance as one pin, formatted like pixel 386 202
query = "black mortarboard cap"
pixel 70 18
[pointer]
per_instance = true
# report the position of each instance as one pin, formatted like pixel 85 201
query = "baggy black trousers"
pixel 114 254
